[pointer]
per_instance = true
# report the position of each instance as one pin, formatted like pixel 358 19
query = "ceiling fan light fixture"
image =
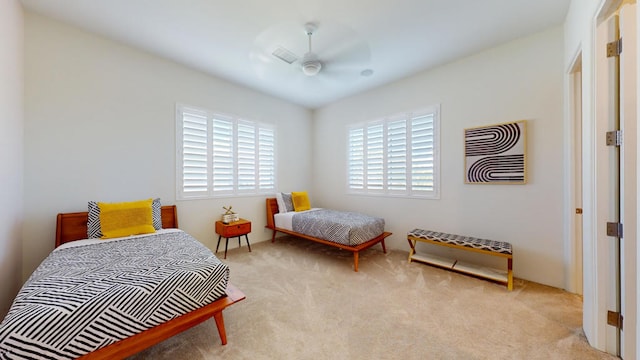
pixel 310 65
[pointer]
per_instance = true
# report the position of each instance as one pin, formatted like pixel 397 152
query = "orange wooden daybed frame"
pixel 73 226
pixel 272 209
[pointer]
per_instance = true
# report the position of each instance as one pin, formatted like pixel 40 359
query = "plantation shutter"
pixel 356 158
pixel 397 155
pixel 375 157
pixel 223 155
pixel 246 160
pixel 195 179
pixel 422 153
pixel 266 159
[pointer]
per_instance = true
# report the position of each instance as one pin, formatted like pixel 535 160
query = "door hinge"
pixel 614 48
pixel 614 138
pixel 614 319
pixel 614 229
pixel 578 210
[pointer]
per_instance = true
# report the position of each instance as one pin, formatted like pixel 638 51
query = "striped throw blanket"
pixel 83 298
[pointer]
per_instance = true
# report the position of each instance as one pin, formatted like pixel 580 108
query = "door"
pixel 576 111
pixel 612 125
pixel 628 179
pixel 616 176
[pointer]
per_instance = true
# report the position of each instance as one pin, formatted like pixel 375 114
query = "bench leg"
pixel 510 274
pixel 412 251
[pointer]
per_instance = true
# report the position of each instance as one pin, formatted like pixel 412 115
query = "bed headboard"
pixel 73 226
pixel 272 209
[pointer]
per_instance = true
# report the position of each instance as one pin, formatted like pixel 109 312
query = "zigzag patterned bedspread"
pixel 84 298
pixel 347 228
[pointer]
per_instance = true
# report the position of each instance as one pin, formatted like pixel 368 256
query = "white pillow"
pixel 282 208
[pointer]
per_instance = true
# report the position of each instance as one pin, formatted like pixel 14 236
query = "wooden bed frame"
pixel 272 209
pixel 73 226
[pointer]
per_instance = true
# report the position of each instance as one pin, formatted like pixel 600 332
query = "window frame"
pixel 264 177
pixel 361 148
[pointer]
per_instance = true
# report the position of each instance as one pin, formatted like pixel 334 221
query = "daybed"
pixel 108 299
pixel 323 230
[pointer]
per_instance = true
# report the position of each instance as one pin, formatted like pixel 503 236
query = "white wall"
pixel 100 125
pixel 516 81
pixel 11 143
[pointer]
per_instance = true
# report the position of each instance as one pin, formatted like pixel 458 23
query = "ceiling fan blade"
pixel 278 46
pixel 351 54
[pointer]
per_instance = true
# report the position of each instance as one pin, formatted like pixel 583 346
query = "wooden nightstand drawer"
pixel 233 229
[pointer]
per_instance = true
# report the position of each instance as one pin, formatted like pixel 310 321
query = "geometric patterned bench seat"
pixel 484 246
pixel 468 241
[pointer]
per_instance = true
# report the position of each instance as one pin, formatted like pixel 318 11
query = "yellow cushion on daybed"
pixel 126 218
pixel 300 201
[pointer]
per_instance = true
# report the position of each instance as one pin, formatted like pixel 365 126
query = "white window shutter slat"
pixel 356 158
pixel 223 155
pixel 266 160
pixel 375 157
pixel 194 152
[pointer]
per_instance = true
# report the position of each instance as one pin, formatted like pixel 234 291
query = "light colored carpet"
pixel 304 301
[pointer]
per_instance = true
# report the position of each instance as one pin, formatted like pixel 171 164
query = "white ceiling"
pixel 233 40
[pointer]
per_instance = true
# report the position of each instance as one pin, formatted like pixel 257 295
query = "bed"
pixel 318 228
pixel 108 299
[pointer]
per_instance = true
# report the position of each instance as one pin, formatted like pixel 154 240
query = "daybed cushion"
pixel 348 228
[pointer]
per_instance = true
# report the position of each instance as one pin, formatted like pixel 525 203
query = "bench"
pixel 482 246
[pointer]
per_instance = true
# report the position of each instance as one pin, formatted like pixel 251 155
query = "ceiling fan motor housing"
pixel 310 64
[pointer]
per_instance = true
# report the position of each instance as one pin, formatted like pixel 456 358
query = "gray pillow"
pixel 288 203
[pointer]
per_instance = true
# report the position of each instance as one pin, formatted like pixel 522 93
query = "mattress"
pixel 342 227
pixel 93 293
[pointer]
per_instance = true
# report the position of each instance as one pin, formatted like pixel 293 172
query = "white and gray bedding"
pixel 347 228
pixel 82 298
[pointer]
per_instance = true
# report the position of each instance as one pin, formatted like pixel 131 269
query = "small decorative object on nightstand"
pixel 229 215
pixel 233 229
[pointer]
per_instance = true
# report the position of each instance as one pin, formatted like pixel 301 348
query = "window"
pixel 398 155
pixel 220 155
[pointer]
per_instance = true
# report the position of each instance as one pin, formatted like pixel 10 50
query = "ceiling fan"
pixel 340 53
pixel 311 65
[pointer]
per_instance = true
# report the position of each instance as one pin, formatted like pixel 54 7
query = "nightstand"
pixel 233 229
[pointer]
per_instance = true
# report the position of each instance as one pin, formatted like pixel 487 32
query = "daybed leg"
pixel 509 274
pixel 355 261
pixel 384 248
pixel 273 237
pixel 220 325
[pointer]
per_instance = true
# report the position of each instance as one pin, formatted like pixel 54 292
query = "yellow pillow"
pixel 300 201
pixel 126 218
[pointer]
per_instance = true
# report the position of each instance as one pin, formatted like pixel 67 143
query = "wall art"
pixel 496 154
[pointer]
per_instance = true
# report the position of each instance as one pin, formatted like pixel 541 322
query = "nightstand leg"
pixel 226 244
pixel 239 245
pixel 247 238
pixel 219 236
